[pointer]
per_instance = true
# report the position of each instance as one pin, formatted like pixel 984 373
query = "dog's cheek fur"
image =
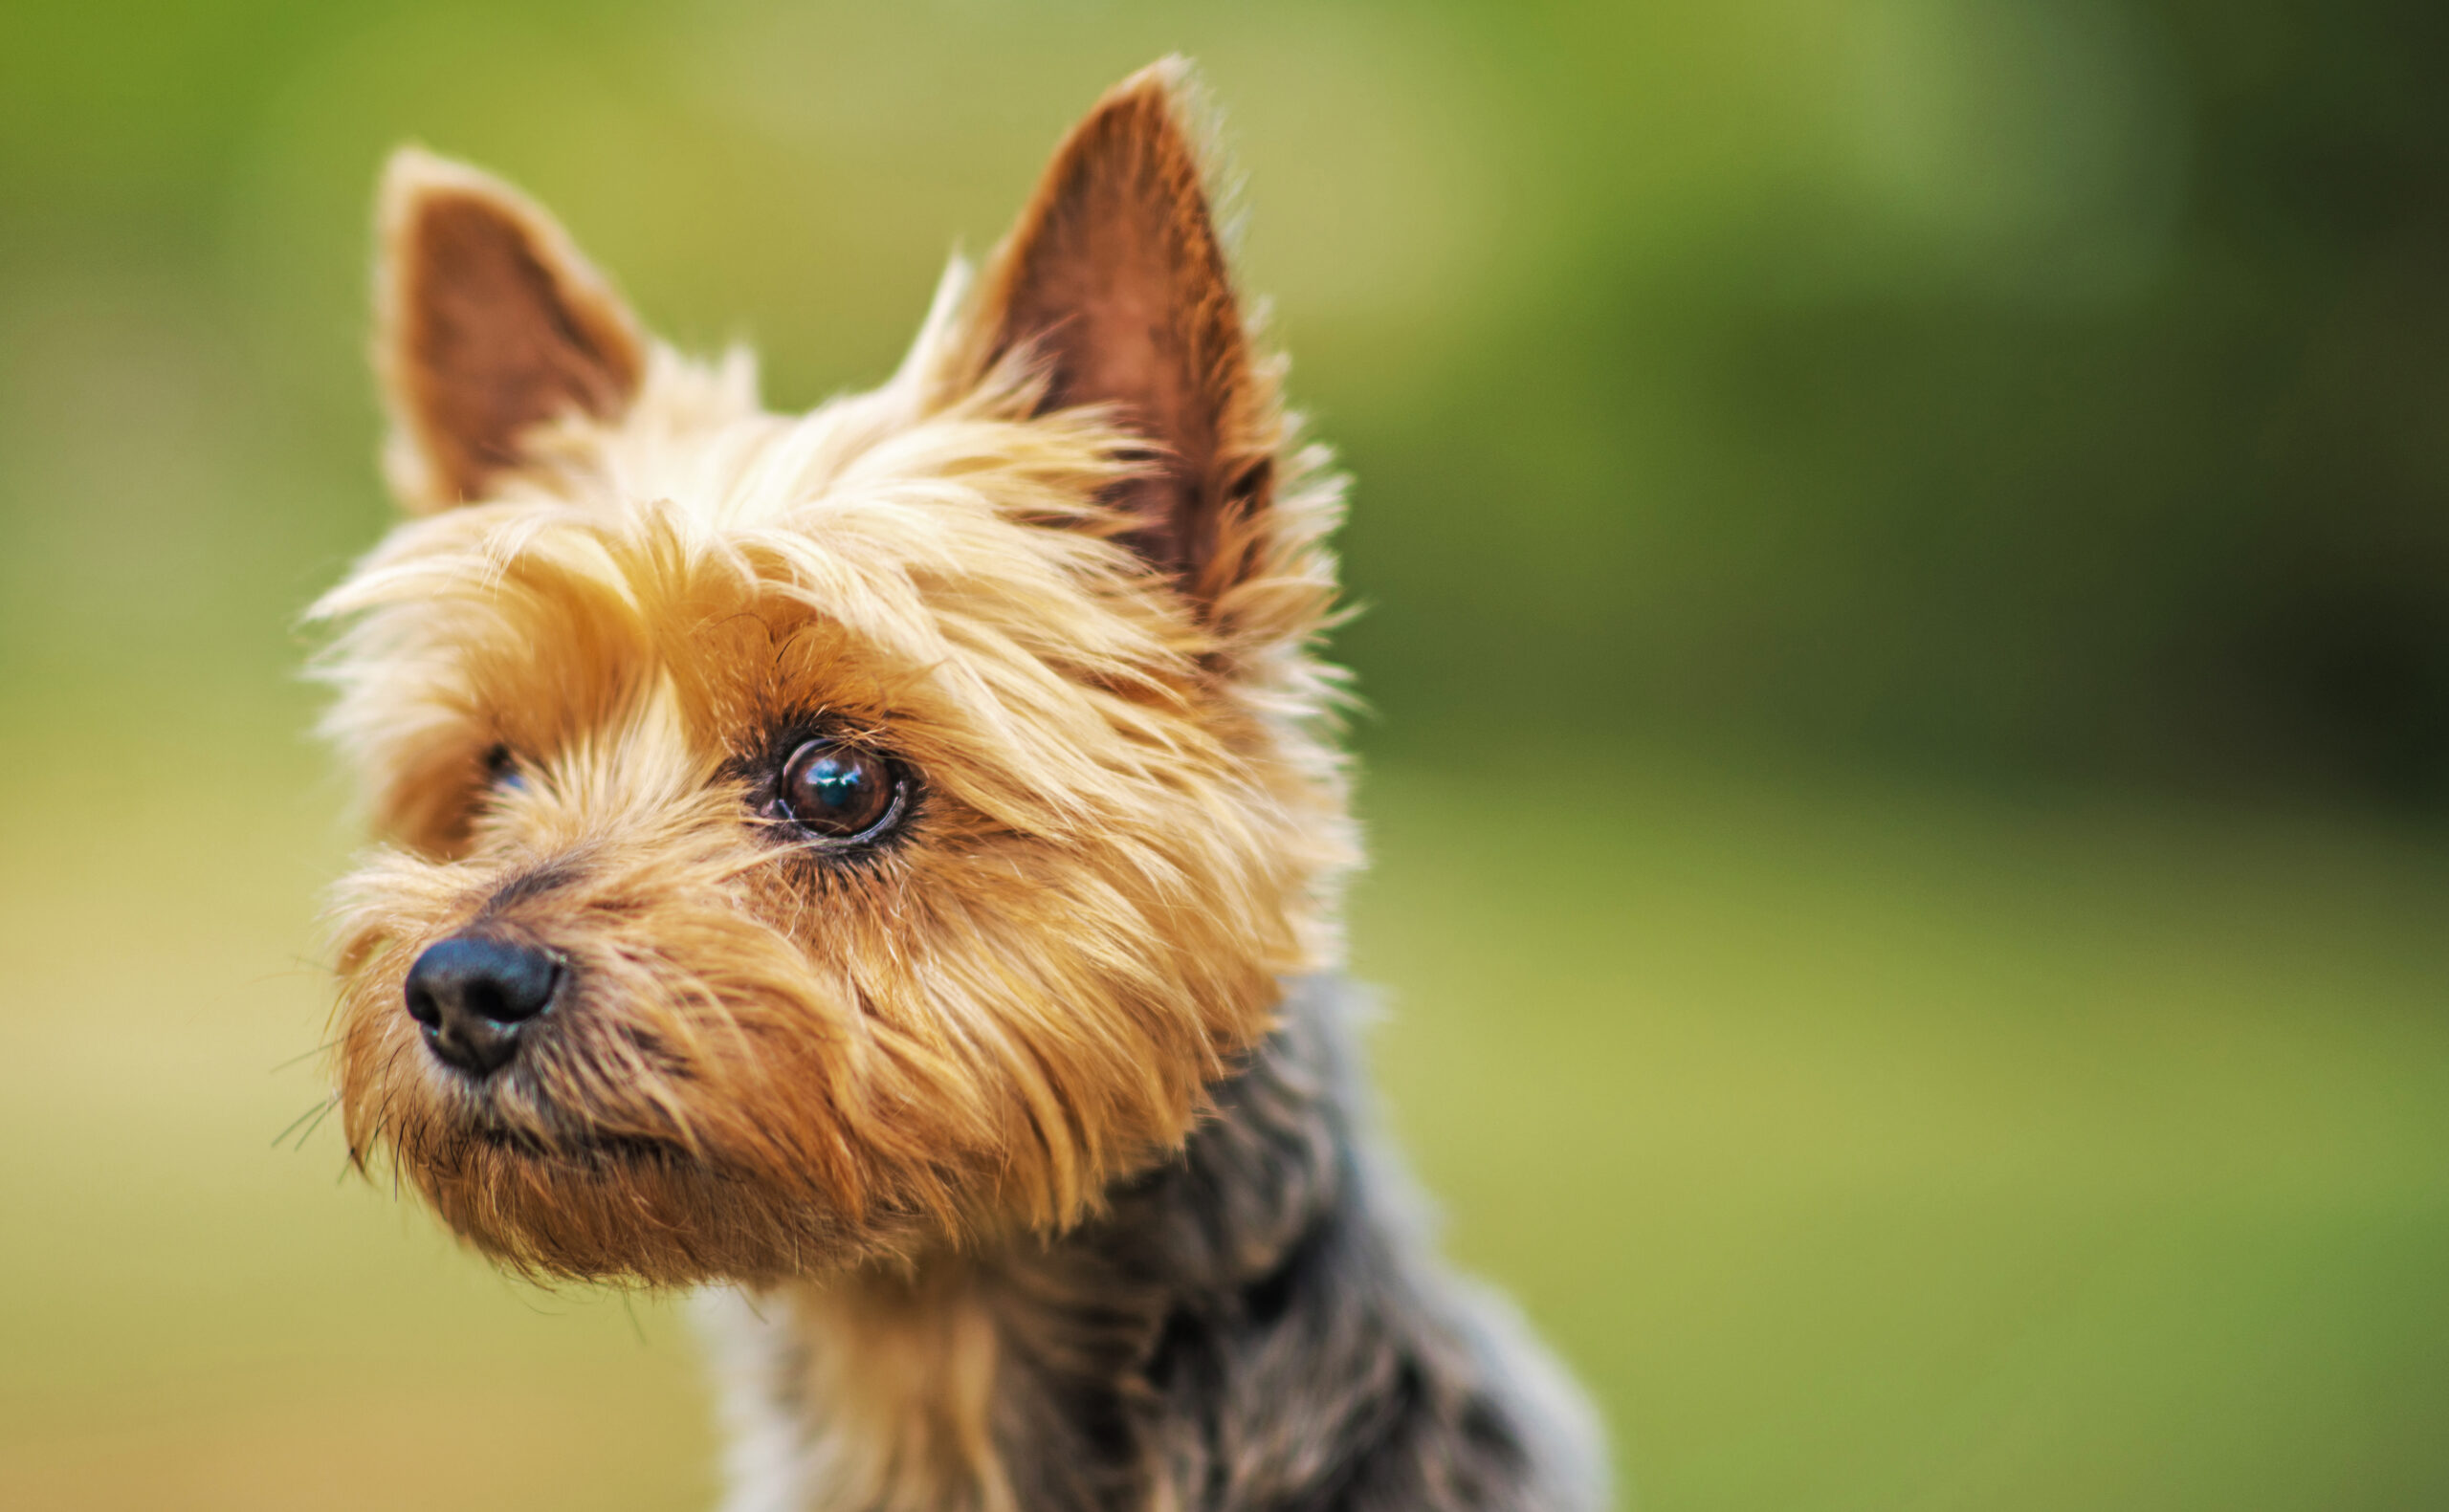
pixel 1094 986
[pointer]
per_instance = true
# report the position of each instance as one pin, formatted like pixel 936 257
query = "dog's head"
pixel 820 837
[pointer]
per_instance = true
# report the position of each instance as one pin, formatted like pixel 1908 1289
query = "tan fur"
pixel 904 1390
pixel 1130 823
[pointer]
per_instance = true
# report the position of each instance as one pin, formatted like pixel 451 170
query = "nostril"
pixel 472 993
pixel 422 1006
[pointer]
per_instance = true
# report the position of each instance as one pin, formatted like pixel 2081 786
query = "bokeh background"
pixel 1905 556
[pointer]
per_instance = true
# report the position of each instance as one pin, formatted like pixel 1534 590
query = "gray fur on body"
pixel 1258 1326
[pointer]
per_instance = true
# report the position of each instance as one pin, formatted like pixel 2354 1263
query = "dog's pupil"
pixel 834 791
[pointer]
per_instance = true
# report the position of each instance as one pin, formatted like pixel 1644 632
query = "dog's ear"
pixel 488 323
pixel 1115 282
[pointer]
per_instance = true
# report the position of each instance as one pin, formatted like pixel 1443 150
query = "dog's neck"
pixel 1242 1327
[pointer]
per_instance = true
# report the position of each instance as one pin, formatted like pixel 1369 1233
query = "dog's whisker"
pixel 325 1048
pixel 315 1113
pixel 315 1123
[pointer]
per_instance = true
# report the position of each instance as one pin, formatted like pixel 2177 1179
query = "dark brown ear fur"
pixel 488 322
pixel 1115 281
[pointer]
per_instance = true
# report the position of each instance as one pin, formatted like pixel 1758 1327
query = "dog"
pixel 880 867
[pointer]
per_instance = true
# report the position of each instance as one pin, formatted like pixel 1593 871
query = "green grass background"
pixel 1903 545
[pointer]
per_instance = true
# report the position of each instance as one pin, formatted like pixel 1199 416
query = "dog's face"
pixel 817 838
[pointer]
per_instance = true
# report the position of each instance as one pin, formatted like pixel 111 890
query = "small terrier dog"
pixel 881 865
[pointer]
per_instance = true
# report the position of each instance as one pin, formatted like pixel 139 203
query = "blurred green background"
pixel 1932 509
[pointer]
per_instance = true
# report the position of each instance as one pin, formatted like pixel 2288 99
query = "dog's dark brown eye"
pixel 840 793
pixel 501 769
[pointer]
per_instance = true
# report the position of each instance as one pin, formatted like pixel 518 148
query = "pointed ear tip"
pixel 414 179
pixel 1168 75
pixel 411 171
pixel 1165 87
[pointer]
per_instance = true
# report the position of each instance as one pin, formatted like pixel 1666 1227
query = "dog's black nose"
pixel 473 993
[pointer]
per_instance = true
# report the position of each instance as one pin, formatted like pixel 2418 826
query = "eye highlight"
pixel 840 793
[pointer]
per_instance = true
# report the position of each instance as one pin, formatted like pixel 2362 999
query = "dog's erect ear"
pixel 1115 282
pixel 488 323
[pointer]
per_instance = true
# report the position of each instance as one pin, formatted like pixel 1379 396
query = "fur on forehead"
pixel 913 548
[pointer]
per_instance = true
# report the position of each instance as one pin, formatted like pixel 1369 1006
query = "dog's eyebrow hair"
pixel 558 872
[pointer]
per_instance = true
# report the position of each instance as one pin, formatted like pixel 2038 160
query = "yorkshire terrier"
pixel 881 865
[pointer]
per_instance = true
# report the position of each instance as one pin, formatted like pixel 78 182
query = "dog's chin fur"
pixel 628 1213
